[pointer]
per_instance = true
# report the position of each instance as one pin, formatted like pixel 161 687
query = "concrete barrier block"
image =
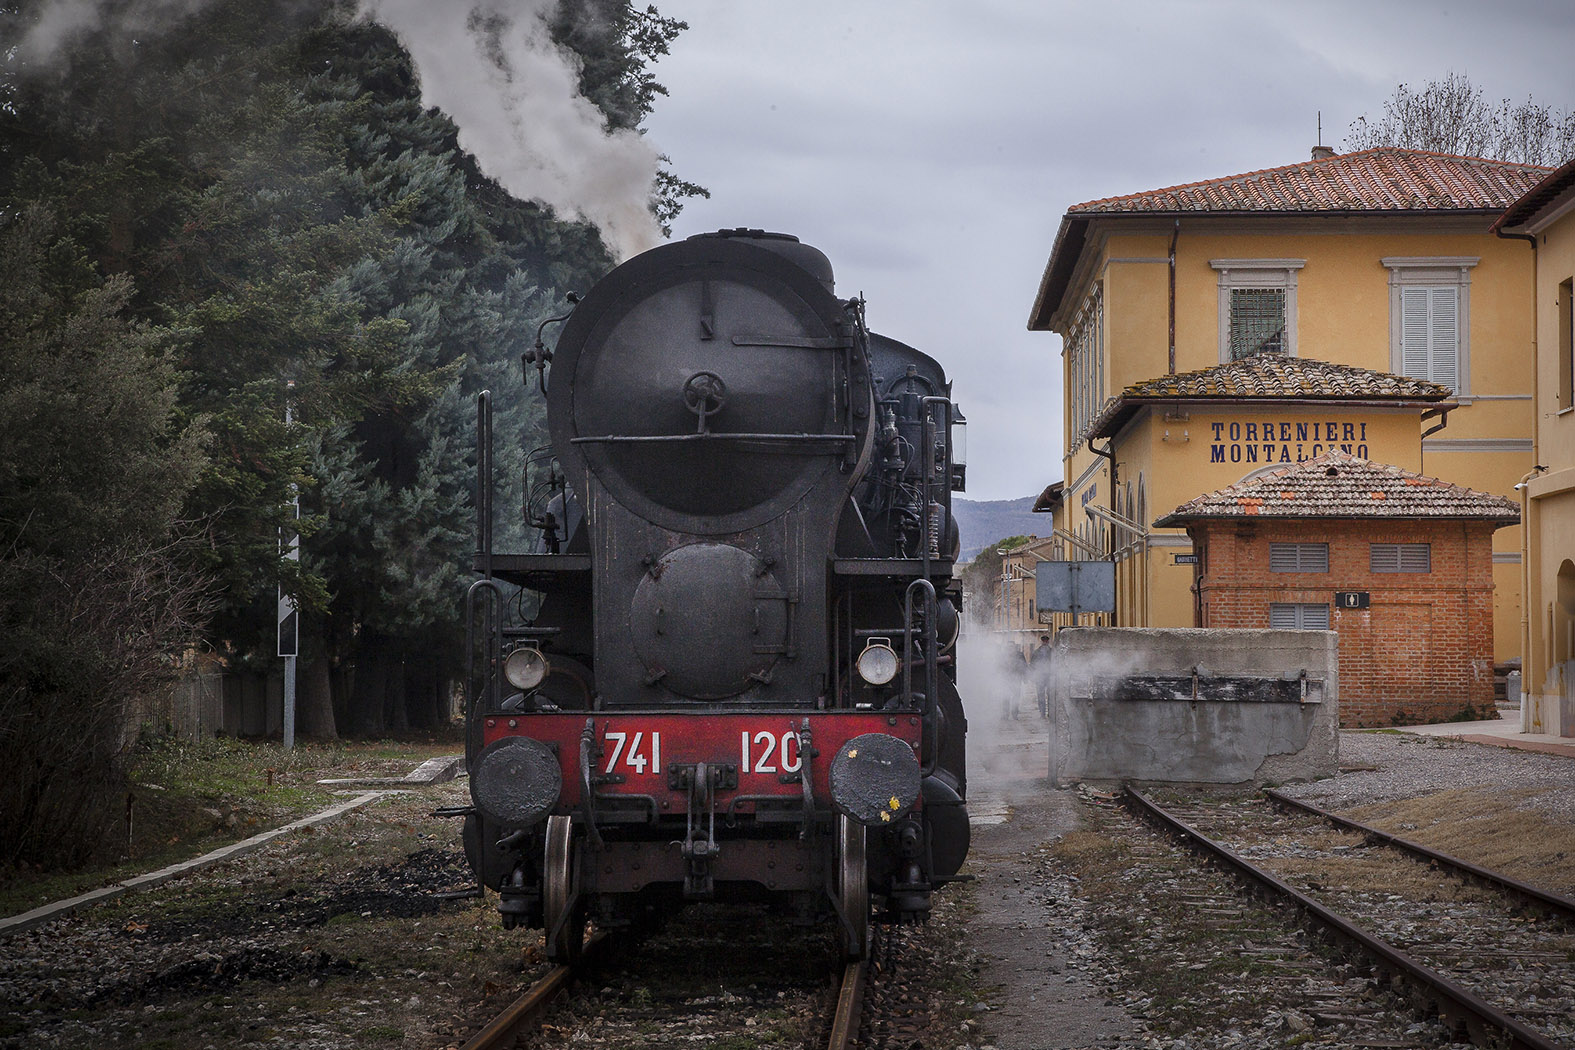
pixel 1194 705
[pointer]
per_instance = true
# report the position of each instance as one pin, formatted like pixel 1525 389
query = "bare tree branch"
pixel 1452 115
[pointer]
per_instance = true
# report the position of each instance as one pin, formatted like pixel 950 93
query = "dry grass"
pixel 1380 873
pixel 1091 854
pixel 189 797
pixel 1486 827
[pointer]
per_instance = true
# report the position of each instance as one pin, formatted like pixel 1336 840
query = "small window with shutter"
pixel 1294 616
pixel 1430 319
pixel 1566 344
pixel 1430 334
pixel 1400 557
pixel 1298 557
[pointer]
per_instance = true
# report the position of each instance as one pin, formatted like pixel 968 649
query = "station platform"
pixel 1503 731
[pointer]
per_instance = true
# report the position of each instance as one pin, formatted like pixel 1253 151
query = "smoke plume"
pixel 491 65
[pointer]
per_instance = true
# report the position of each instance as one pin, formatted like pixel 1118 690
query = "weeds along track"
pixel 1490 956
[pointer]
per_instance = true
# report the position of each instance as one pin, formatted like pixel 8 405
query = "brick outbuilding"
pixel 1399 564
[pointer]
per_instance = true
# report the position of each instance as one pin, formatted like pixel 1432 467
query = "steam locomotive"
pixel 738 680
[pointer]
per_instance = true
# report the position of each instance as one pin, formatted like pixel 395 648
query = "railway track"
pixel 512 1025
pixel 850 1005
pixel 1495 959
pixel 1200 964
pixel 869 1004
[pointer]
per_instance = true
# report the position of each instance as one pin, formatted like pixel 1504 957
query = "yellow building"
pixel 1376 273
pixel 1015 616
pixel 1544 218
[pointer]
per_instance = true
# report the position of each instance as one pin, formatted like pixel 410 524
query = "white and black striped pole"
pixel 289 615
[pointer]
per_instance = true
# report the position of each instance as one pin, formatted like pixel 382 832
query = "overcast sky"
pixel 930 148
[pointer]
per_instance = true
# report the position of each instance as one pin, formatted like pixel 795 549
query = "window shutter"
pixel 1400 557
pixel 1446 337
pixel 1430 334
pixel 1413 332
pixel 1298 557
pixel 1289 616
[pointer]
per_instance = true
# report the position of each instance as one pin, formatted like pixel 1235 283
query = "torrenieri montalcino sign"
pixel 1270 441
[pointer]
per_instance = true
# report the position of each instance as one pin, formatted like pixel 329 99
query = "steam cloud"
pixel 1008 759
pixel 515 96
pixel 491 65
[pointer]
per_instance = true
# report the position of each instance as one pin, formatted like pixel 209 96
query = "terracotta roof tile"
pixel 1268 376
pixel 1386 179
pixel 1340 485
pixel 1375 181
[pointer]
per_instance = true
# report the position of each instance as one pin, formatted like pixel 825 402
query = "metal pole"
pixel 289 703
pixel 293 552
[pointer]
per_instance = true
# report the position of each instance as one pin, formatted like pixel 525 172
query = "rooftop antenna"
pixel 1320 127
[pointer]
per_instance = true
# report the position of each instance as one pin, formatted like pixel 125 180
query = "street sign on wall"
pixel 1075 587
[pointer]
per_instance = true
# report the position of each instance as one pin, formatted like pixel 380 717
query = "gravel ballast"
pixel 1081 946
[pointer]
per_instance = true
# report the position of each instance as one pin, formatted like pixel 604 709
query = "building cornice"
pixel 1081 238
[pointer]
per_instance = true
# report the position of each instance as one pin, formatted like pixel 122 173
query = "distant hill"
pixel 986 521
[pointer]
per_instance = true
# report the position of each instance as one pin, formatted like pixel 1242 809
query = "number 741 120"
pixel 759 752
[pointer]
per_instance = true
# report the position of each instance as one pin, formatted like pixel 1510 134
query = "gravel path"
pixel 1386 767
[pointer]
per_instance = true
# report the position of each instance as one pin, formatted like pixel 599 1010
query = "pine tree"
pixel 95 465
pixel 268 177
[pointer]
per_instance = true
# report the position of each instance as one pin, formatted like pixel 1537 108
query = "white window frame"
pixel 1441 271
pixel 1257 273
pixel 1085 363
pixel 1300 612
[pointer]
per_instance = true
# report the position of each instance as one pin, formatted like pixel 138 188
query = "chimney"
pixel 1322 152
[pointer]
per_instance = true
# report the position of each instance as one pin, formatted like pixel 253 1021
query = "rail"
pixel 1514 887
pixel 850 999
pixel 1486 1024
pixel 505 1029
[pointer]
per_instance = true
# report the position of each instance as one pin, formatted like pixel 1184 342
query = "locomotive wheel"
pixel 853 888
pixel 564 914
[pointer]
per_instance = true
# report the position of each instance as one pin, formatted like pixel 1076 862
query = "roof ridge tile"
pixel 1383 178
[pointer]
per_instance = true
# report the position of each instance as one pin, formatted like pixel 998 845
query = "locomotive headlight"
pixel 525 668
pixel 877 664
